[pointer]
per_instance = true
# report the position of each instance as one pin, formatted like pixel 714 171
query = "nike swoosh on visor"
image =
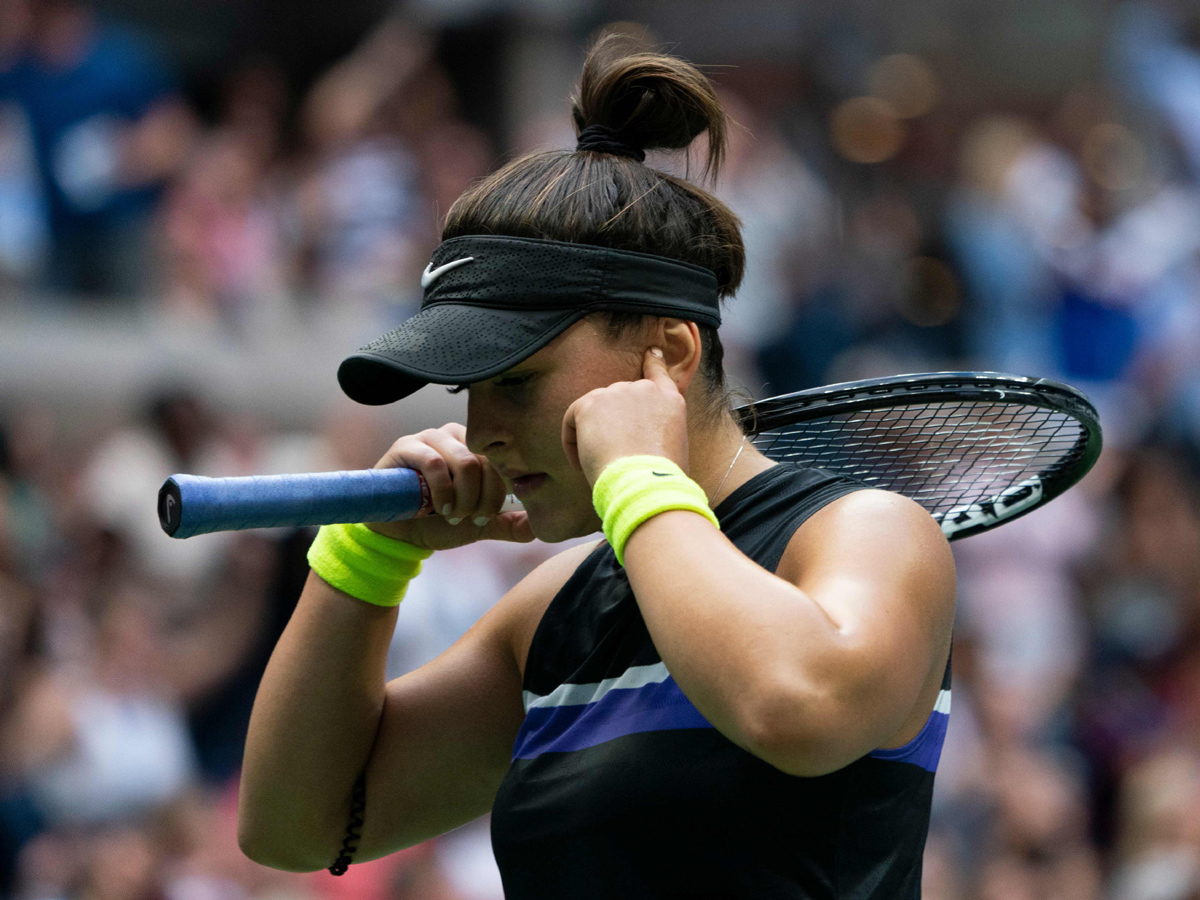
pixel 430 275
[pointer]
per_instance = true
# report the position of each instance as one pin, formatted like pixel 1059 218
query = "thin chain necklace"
pixel 741 447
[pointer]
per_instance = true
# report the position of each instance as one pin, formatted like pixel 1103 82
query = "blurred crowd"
pixel 894 221
pixel 112 186
pixel 129 661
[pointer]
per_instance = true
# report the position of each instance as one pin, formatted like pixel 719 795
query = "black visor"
pixel 491 302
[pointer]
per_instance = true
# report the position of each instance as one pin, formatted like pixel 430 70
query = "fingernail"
pixel 656 352
pixel 455 520
pixel 446 509
pixel 480 521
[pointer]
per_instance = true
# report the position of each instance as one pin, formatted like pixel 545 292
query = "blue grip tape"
pixel 192 504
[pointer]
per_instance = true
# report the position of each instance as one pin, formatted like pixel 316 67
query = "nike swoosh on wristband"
pixel 430 275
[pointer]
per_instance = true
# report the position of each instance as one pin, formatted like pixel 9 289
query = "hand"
pixel 629 418
pixel 467 493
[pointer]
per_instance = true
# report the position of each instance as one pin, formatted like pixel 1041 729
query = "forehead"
pixel 584 343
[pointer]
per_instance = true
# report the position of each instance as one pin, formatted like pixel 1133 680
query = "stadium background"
pixel 204 206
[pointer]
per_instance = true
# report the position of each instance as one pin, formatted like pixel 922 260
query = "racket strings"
pixel 941 454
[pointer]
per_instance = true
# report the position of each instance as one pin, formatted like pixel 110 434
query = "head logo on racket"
pixel 1005 505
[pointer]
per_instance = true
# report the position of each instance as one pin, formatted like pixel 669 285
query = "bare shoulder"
pixel 522 608
pixel 879 535
pixel 881 570
pixel 887 557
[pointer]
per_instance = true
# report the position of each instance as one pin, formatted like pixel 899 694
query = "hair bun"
pixel 646 100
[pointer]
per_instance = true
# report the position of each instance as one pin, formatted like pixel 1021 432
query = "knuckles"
pixel 436 465
pixel 468 462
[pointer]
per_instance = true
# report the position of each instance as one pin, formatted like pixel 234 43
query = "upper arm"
pixel 880 568
pixel 447 730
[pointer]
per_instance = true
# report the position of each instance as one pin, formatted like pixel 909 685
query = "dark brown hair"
pixel 652 101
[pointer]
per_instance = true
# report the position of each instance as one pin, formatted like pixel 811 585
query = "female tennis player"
pixel 741 691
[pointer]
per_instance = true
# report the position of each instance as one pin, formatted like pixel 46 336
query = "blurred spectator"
pixel 110 742
pixel 1152 62
pixel 221 240
pixel 1017 202
pixel 221 254
pixel 1158 854
pixel 120 484
pixel 23 226
pixel 359 215
pixel 903 211
pixel 107 127
pixel 787 228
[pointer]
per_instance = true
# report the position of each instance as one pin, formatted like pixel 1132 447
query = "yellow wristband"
pixel 365 564
pixel 633 488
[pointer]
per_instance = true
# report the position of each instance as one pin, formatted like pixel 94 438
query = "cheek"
pixel 540 423
pixel 589 373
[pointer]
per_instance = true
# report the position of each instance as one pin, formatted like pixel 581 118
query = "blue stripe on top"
pixel 656 706
pixel 926 748
pixel 646 698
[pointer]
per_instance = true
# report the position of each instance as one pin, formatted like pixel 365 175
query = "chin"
pixel 555 525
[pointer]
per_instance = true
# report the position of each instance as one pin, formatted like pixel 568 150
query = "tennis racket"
pixel 976 449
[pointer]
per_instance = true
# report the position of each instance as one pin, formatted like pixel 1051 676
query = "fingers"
pixel 411 452
pixel 570 438
pixel 456 431
pixel 654 367
pixel 492 490
pixel 491 496
pixel 466 476
pixel 509 526
pixel 461 484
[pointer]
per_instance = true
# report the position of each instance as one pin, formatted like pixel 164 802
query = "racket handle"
pixel 192 504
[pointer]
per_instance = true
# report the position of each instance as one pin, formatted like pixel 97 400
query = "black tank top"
pixel 619 788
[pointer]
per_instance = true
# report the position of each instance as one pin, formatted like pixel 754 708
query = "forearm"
pixel 314 721
pixel 755 654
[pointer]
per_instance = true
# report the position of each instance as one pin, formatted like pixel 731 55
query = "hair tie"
pixel 602 139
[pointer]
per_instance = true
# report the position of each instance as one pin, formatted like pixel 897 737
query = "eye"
pixel 513 380
pixel 457 389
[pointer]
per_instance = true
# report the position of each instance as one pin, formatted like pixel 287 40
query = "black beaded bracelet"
pixel 358 808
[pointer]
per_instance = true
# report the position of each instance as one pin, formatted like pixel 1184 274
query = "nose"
pixel 487 430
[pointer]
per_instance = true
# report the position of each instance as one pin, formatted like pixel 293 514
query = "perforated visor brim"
pixel 449 343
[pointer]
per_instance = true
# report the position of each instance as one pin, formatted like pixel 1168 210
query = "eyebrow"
pixel 507 373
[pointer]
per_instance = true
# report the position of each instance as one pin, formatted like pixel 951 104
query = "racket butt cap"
pixel 170 506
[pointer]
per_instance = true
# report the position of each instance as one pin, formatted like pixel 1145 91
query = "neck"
pixel 712 448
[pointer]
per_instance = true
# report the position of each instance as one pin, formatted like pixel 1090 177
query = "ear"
pixel 679 340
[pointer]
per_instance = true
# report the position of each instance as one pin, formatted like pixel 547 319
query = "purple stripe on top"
pixel 660 706
pixel 925 749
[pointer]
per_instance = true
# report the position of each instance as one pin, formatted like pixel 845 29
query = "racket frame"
pixel 760 417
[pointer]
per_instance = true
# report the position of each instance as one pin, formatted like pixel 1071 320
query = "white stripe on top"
pixel 579 694
pixel 636 677
pixel 943 702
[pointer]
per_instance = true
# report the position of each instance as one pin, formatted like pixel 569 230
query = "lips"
pixel 527 484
